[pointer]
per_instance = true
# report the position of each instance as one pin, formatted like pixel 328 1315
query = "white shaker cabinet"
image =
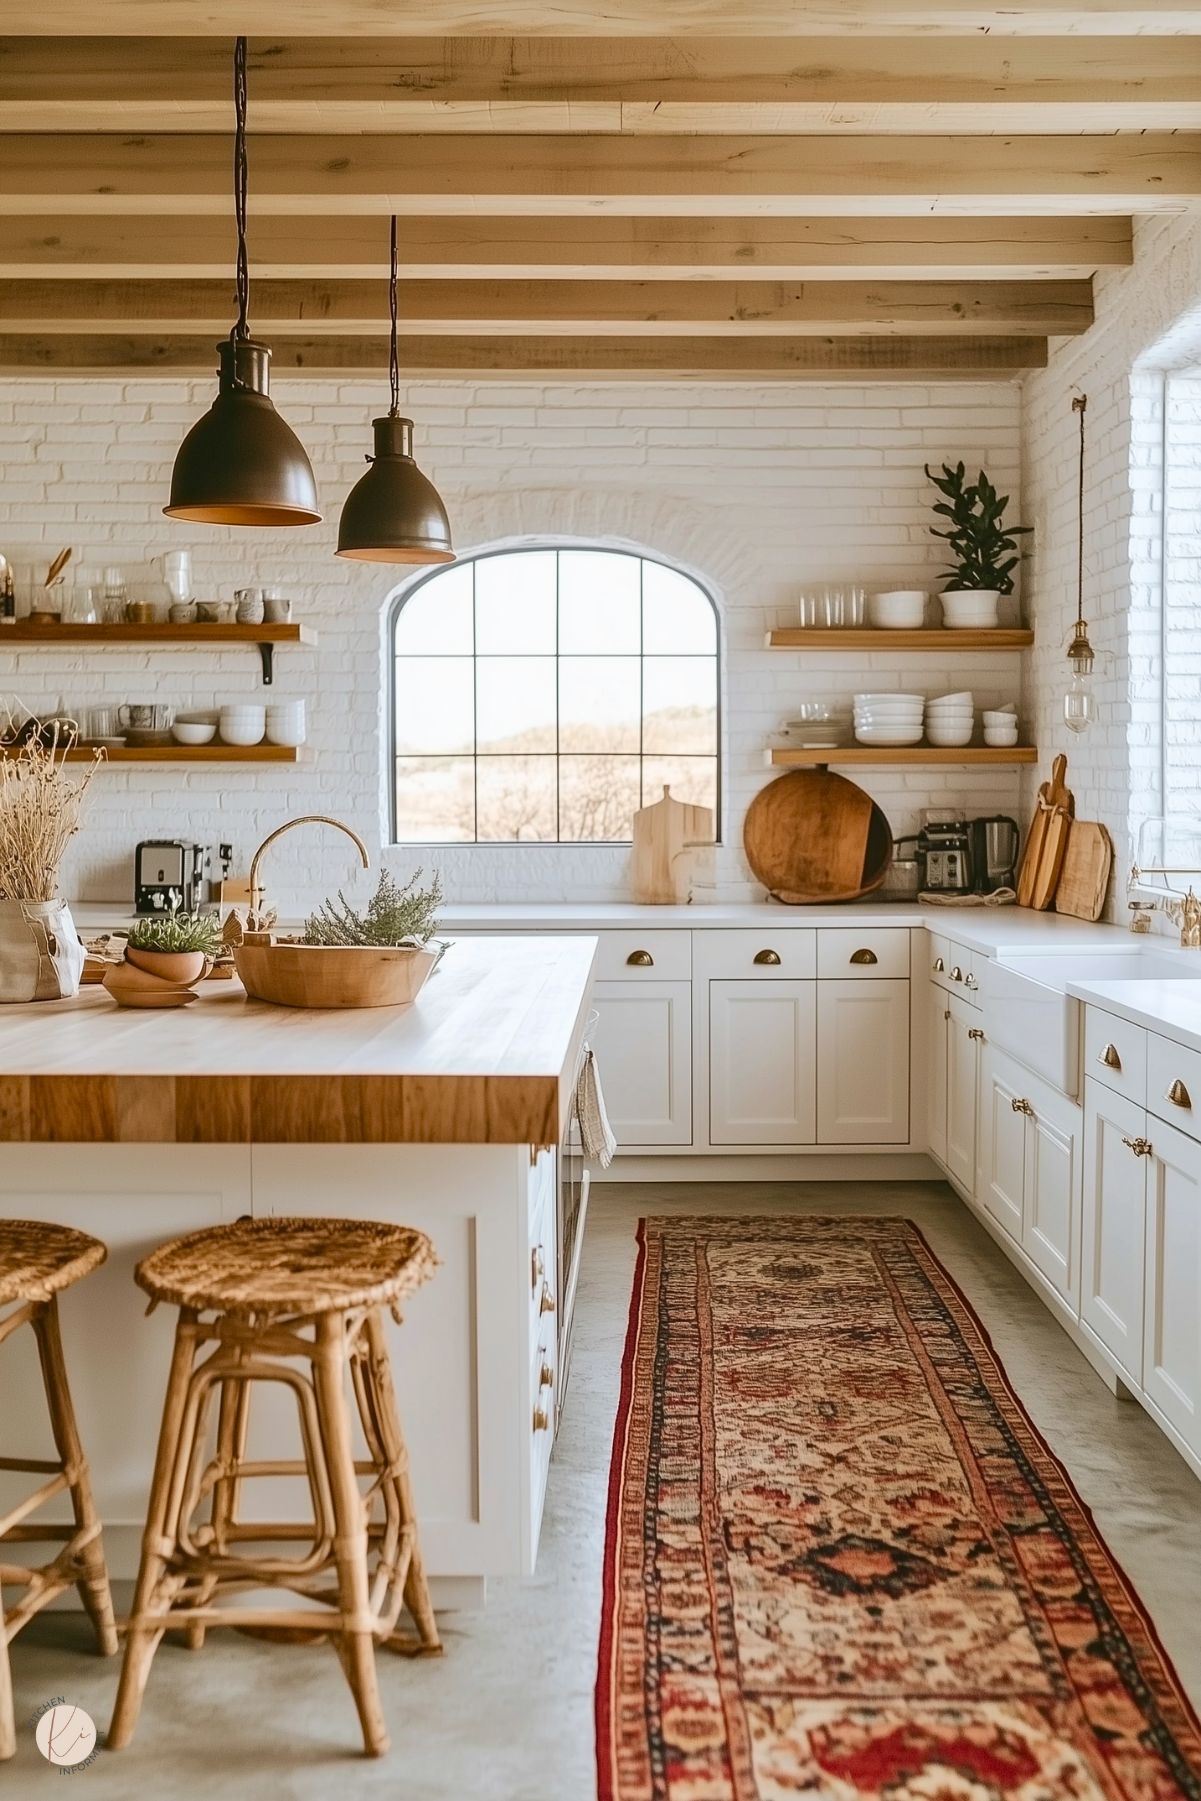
pixel 863 1061
pixel 937 1025
pixel 963 1064
pixel 1172 1287
pixel 762 1052
pixel 1001 1150
pixel 1028 1167
pixel 643 1044
pixel 1112 1270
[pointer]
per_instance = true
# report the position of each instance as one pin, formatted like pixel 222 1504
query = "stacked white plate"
pixel 1001 726
pixel 885 719
pixel 951 719
pixel 819 725
pixel 968 608
pixel 285 722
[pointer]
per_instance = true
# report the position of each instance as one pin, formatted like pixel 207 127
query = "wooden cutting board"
pixel 812 836
pixel 1046 840
pixel 1087 866
pixel 663 835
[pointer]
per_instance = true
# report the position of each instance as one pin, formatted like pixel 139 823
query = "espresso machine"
pixel 944 852
pixel 994 853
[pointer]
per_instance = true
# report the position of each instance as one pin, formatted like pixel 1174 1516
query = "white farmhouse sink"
pixel 1028 1013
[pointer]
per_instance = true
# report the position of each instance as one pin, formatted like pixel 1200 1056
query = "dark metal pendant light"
pixel 242 464
pixel 394 514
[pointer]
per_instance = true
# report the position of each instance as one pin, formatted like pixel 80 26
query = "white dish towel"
pixel 596 1134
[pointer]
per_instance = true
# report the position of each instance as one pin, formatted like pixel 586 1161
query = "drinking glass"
pixel 832 607
pixel 807 610
pixel 856 606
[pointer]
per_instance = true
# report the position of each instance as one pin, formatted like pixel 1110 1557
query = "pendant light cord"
pixel 1079 404
pixel 393 358
pixel 241 329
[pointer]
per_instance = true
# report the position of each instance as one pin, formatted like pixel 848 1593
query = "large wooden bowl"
pixel 320 975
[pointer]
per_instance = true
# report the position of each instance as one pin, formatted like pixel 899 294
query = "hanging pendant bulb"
pixel 241 464
pixel 1080 703
pixel 394 513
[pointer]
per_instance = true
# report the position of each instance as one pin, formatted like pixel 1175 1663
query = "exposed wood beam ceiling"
pixel 695 189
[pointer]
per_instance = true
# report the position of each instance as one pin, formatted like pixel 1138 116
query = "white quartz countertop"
pixel 1172 1008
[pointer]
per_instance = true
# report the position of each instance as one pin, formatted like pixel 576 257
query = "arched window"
pixel 542 695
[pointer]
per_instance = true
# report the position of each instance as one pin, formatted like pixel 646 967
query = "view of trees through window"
pixel 542 696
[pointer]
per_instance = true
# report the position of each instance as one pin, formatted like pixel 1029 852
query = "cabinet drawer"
pixel 879 951
pixel 1115 1053
pixel 623 956
pixel 1174 1084
pixel 757 955
pixel 938 959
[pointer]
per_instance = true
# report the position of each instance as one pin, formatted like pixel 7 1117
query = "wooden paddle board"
pixel 1087 866
pixel 812 836
pixel 663 834
pixel 1046 840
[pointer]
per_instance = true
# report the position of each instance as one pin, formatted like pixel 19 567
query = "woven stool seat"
pixel 309 1266
pixel 38 1259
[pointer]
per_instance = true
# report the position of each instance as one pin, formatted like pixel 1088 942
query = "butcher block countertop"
pixel 486 1055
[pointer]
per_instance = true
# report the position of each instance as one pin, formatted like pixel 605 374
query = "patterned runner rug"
pixel 840 1561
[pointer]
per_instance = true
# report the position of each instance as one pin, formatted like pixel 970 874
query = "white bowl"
pixel 293 735
pixel 962 697
pixel 960 611
pixel 944 736
pixel 882 716
pixel 1000 716
pixel 1000 740
pixel 241 734
pixel 186 731
pixel 948 715
pixel 895 735
pixel 899 609
pixel 871 700
pixel 198 716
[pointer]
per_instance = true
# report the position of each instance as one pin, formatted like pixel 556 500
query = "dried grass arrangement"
pixel 40 809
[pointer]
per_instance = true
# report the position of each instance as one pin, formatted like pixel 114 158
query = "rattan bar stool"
pixel 37 1261
pixel 263 1294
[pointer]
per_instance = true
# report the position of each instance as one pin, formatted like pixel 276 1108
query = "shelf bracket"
pixel 267 653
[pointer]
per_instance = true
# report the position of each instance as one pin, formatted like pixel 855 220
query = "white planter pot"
pixel 41 958
pixel 978 611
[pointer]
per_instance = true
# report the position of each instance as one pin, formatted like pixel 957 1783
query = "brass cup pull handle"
pixel 864 956
pixel 971 982
pixel 1109 1057
pixel 541 1420
pixel 641 959
pixel 767 956
pixel 976 1033
pixel 546 1377
pixel 1022 1106
pixel 1141 1147
pixel 547 1303
pixel 956 973
pixel 938 966
pixel 1179 1095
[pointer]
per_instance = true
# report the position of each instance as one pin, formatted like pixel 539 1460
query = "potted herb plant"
pixel 985 549
pixel 41 957
pixel 379 957
pixel 174 947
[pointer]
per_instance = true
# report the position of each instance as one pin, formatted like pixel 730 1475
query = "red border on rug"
pixel 604 1663
pixel 604 1678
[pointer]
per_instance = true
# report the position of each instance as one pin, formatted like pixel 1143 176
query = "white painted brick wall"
pixel 1148 320
pixel 756 490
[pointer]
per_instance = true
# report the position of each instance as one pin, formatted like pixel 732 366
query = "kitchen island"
pixel 450 1115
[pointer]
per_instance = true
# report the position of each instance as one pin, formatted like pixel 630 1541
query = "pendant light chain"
pixel 241 329
pixel 1079 405
pixel 393 358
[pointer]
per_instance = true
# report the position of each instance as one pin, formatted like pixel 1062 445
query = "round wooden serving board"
pixel 812 837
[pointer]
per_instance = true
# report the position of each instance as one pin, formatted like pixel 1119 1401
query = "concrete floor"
pixel 507 1714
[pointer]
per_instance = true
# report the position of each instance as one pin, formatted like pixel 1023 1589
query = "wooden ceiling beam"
pixel 101 173
pixel 734 359
pixel 613 308
pixel 662 85
pixel 599 18
pixel 608 248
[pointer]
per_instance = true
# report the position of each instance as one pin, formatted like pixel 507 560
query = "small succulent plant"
pixel 177 932
pixel 394 915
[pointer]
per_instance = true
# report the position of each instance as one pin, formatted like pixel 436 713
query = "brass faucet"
pixel 256 893
pixel 1187 914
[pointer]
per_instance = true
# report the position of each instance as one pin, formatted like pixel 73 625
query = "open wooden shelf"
pixel 804 637
pixel 910 755
pixel 185 753
pixel 180 635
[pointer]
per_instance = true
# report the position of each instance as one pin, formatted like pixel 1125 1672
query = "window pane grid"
pixel 602 765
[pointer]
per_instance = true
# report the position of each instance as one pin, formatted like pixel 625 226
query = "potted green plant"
pixel 380 956
pixel 174 947
pixel 985 549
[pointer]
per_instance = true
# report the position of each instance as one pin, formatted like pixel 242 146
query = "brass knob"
pixel 541 1420
pixel 864 957
pixel 1022 1106
pixel 946 1013
pixel 537 1267
pixel 767 956
pixel 546 1376
pixel 1179 1095
pixel 970 981
pixel 975 1032
pixel 1141 1147
pixel 547 1304
pixel 938 966
pixel 956 973
pixel 641 959
pixel 1109 1057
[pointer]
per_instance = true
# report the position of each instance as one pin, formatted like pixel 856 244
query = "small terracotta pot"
pixel 182 969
